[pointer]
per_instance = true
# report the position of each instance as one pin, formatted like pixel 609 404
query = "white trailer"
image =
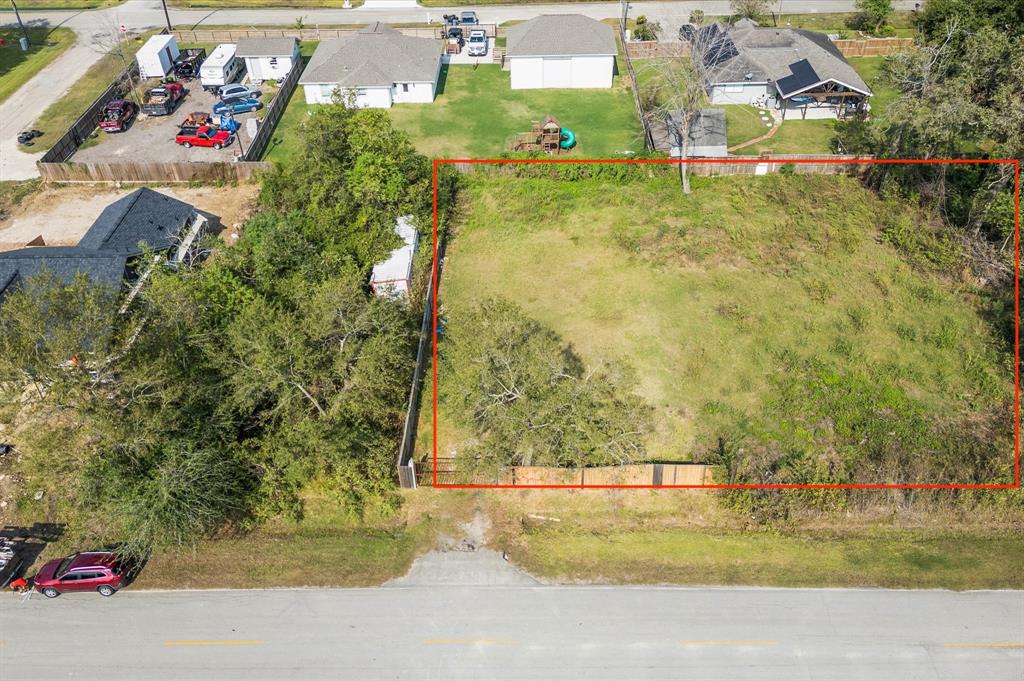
pixel 221 68
pixel 393 277
pixel 157 56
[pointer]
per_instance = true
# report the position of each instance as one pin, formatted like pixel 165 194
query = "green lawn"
pixel 58 117
pixel 710 296
pixel 869 68
pixel 476 112
pixel 794 136
pixel 742 123
pixel 297 4
pixel 901 23
pixel 17 67
pixel 28 5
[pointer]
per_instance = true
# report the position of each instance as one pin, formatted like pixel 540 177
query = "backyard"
pixel 727 300
pixel 476 112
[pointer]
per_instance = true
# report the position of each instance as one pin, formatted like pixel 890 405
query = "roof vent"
pixel 749 76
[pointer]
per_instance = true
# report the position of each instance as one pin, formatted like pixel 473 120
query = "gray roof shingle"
pixel 266 47
pixel 376 56
pixel 143 216
pixel 64 262
pixel 554 35
pixel 769 54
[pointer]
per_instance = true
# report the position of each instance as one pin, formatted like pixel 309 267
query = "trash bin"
pixel 23 41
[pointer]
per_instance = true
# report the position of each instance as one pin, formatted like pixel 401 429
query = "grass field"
pixel 869 68
pixel 711 297
pixel 17 67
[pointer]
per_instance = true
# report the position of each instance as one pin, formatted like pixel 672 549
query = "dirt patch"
pixel 62 215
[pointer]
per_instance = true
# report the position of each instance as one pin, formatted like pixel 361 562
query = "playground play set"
pixel 548 136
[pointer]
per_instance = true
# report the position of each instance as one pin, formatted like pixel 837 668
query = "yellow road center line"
pixel 245 642
pixel 467 641
pixel 727 642
pixel 997 644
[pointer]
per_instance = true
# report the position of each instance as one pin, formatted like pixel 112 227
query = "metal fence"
pixel 80 130
pixel 406 467
pixel 274 112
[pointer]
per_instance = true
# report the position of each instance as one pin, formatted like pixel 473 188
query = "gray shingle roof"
pixel 552 35
pixel 707 129
pixel 143 216
pixel 376 56
pixel 64 262
pixel 266 47
pixel 768 54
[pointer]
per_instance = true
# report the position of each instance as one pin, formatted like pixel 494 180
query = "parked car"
pixel 101 571
pixel 238 91
pixel 237 105
pixel 163 99
pixel 205 136
pixel 117 115
pixel 468 18
pixel 477 43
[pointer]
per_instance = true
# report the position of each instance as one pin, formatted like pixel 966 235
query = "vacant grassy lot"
pixel 17 67
pixel 714 298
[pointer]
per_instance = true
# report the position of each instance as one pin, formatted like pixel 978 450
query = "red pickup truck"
pixel 117 115
pixel 205 136
pixel 163 100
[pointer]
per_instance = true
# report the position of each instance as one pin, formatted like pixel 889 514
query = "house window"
pixel 327 91
pixel 405 87
pixel 273 61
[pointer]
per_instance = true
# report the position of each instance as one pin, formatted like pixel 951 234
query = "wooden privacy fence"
pixel 635 89
pixel 274 112
pixel 874 47
pixel 313 34
pixel 811 164
pixel 207 171
pixel 80 130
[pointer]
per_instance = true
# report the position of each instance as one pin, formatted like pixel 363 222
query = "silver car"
pixel 477 43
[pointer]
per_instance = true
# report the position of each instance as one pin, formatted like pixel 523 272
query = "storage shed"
pixel 393 277
pixel 561 51
pixel 268 58
pixel 157 56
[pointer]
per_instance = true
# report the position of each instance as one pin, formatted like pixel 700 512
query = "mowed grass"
pixel 17 67
pixel 478 112
pixel 710 296
pixel 870 69
pixel 796 136
pixel 742 123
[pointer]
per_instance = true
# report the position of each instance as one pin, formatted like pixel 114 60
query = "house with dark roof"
pixel 108 254
pixel 561 51
pixel 797 71
pixel 374 68
pixel 268 58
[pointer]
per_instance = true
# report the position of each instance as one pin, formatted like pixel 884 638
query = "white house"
pixel 375 68
pixel 797 71
pixel 393 277
pixel 156 57
pixel 561 51
pixel 268 58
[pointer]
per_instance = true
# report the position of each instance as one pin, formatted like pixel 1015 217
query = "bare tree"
pixel 110 40
pixel 679 81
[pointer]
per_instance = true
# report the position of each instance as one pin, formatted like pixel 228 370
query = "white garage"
pixel 561 51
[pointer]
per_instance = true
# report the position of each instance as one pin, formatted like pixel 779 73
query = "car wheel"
pixel 50 592
pixel 187 145
pixel 106 590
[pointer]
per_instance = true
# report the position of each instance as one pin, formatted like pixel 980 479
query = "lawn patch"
pixel 18 67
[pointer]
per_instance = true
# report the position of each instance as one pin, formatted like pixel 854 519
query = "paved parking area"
pixel 151 138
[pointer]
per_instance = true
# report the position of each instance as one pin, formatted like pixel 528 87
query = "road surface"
pixel 510 629
pixel 19 111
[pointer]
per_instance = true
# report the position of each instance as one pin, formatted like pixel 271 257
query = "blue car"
pixel 235 106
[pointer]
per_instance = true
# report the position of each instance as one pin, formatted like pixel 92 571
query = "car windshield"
pixel 63 567
pixel 476 38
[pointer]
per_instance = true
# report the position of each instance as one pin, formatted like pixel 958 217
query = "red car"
pixel 205 136
pixel 101 571
pixel 117 115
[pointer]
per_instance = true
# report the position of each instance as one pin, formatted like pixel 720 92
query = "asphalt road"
pixel 516 632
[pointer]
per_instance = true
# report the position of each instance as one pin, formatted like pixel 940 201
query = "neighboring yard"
pixel 476 112
pixel 17 67
pixel 870 68
pixel 729 302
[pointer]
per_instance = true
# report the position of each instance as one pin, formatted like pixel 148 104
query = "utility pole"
pixel 24 32
pixel 167 16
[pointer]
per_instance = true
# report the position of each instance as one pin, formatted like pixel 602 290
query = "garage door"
pixel 557 72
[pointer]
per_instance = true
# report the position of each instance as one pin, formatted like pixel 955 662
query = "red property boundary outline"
pixel 1016 326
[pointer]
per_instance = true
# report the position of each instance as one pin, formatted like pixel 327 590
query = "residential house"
pixel 561 51
pixel 797 71
pixel 375 68
pixel 108 253
pixel 268 58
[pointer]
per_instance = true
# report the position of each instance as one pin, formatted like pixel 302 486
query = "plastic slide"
pixel 568 139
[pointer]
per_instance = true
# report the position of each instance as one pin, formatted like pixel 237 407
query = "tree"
pixel 749 9
pixel 874 13
pixel 531 400
pixel 646 30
